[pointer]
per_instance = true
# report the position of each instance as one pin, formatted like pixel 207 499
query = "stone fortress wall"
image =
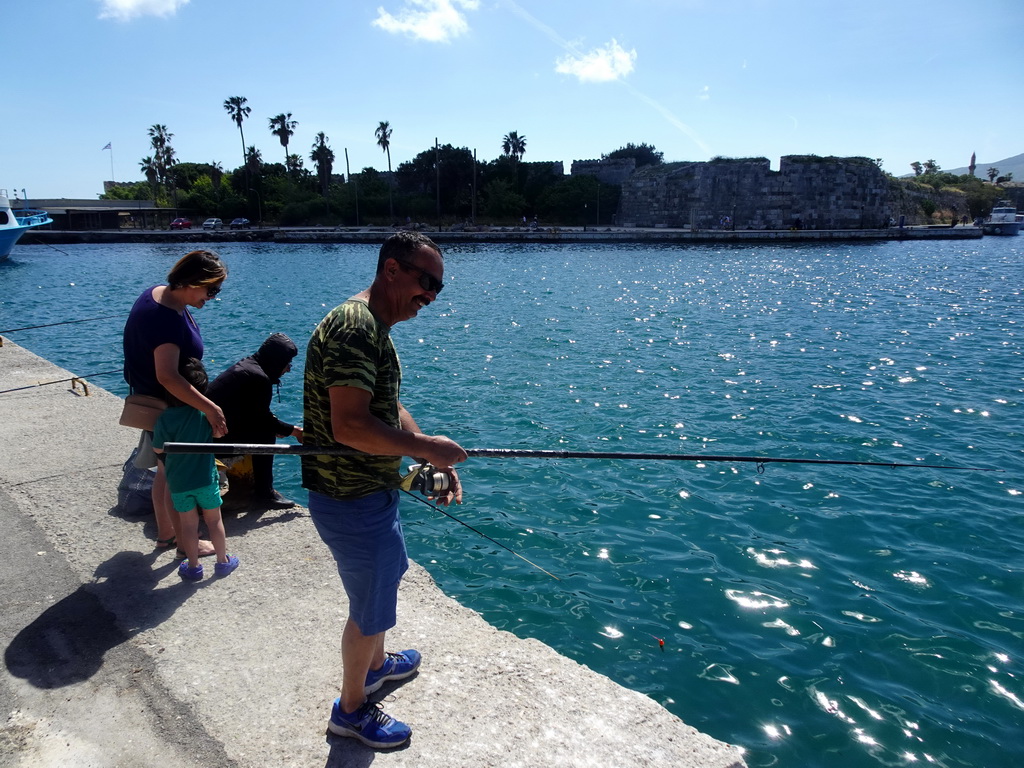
pixel 607 171
pixel 806 192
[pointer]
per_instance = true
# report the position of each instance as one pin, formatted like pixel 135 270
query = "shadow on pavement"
pixel 66 644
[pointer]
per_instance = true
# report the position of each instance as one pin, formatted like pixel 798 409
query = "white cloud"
pixel 126 10
pixel 436 21
pixel 612 62
pixel 704 93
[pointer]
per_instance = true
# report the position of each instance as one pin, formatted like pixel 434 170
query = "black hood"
pixel 275 354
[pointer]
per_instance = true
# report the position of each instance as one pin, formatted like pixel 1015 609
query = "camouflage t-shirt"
pixel 350 348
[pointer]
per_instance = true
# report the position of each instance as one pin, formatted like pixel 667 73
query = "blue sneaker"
pixel 190 574
pixel 223 569
pixel 370 724
pixel 396 666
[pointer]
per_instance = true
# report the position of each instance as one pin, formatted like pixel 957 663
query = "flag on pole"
pixel 106 147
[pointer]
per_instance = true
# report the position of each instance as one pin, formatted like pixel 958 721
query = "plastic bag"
pixel 135 491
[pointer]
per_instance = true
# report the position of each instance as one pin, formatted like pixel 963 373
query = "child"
pixel 192 477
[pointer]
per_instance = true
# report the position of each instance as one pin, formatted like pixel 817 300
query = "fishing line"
pixel 462 522
pixel 62 381
pixel 512 453
pixel 63 322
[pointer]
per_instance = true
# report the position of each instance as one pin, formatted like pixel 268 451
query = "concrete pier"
pixel 111 660
pixel 513 235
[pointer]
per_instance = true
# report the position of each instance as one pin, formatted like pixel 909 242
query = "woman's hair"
pixel 197 268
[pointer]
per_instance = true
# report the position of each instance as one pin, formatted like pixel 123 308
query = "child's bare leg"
pixel 189 536
pixel 215 525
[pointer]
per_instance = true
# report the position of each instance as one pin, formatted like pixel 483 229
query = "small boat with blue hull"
pixel 15 223
pixel 1003 220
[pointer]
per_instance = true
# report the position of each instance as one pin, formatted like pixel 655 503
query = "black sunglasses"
pixel 427 281
pixel 212 290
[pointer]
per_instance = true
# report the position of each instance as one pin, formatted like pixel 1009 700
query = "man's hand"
pixel 454 492
pixel 442 451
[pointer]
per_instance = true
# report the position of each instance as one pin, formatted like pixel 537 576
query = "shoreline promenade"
pixel 513 235
pixel 112 660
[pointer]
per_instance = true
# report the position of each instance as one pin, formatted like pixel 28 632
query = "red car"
pixel 181 223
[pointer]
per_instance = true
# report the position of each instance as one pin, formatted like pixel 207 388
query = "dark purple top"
pixel 149 325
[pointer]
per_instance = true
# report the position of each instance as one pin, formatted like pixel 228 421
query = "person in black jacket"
pixel 244 392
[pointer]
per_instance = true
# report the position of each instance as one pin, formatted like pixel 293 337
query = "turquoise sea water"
pixel 814 615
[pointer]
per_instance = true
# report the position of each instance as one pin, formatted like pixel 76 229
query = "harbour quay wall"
pixel 653 235
pixel 112 660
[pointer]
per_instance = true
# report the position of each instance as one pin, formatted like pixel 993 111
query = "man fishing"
pixel 351 397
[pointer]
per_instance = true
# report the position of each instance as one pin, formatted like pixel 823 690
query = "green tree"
pixel 930 166
pixel 151 171
pixel 918 168
pixel 216 175
pixel 254 174
pixel 238 111
pixel 323 158
pixel 138 191
pixel 450 166
pixel 163 152
pixel 514 145
pixel 283 127
pixel 643 154
pixel 992 173
pixel 383 134
pixel 501 202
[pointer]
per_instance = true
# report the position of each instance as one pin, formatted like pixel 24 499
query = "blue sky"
pixel 901 80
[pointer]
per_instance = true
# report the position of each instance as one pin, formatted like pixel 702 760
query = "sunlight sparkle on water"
pixel 913 577
pixel 775 732
pixel 755 600
pixel 611 633
pixel 1006 693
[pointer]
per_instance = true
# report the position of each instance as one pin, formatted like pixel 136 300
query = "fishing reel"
pixel 426 479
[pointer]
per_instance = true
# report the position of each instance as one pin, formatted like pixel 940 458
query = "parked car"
pixel 213 224
pixel 240 223
pixel 181 223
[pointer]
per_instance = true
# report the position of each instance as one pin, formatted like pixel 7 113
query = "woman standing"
pixel 159 334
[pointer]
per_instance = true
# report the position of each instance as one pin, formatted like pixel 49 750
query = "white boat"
pixel 13 224
pixel 1002 221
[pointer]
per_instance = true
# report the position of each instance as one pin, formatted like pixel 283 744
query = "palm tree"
pixel 216 176
pixel 383 134
pixel 514 145
pixel 253 159
pixel 283 127
pixel 237 110
pixel 323 157
pixel 163 153
pixel 152 172
pixel 293 164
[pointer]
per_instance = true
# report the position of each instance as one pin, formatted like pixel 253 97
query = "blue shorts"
pixel 365 536
pixel 204 498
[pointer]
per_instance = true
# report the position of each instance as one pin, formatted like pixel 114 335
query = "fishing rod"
pixel 62 322
pixel 513 453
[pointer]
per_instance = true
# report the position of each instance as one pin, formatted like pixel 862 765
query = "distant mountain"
pixel 1014 165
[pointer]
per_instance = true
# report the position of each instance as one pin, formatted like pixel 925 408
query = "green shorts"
pixel 204 498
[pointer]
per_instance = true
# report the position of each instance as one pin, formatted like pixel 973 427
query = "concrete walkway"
pixel 111 660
